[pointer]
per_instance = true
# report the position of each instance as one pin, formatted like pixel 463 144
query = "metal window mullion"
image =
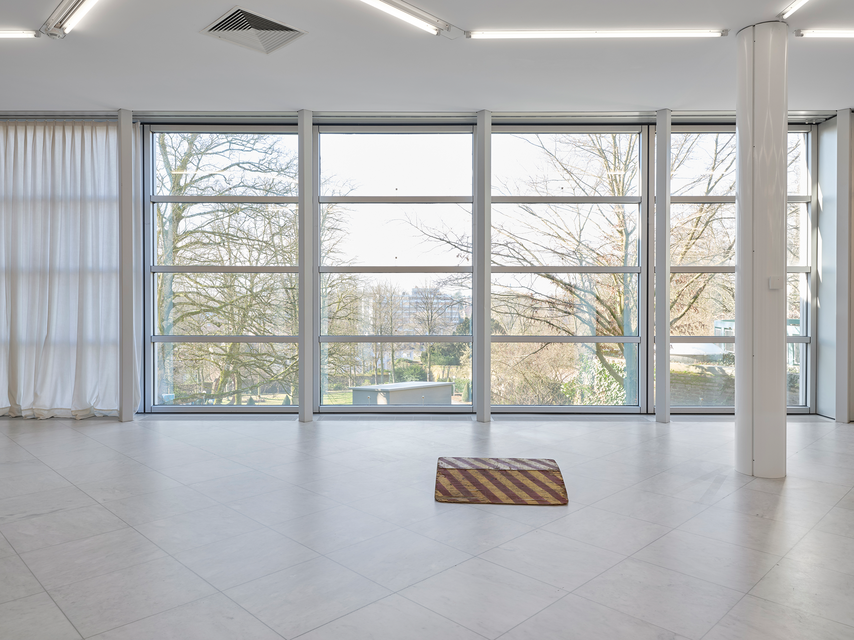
pixel 812 351
pixel 701 269
pixel 312 340
pixel 798 340
pixel 149 248
pixel 482 263
pixel 393 270
pixel 644 306
pixel 223 199
pixel 798 199
pixel 703 128
pixel 220 269
pixel 702 200
pixel 400 338
pixel 566 200
pixel 395 199
pixel 563 269
pixel 226 339
pixel 662 265
pixel 566 128
pixel 798 269
pixel 509 409
pixel 212 128
pixel 649 210
pixel 702 339
pixel 390 128
pixel 306 259
pixel 567 339
pixel 127 339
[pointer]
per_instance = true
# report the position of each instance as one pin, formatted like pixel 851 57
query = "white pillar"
pixel 760 304
pixel 481 263
pixel 127 336
pixel 662 265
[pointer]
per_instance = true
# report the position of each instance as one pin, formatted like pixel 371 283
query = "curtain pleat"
pixel 59 269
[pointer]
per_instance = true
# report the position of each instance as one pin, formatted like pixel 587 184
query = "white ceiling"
pixel 150 56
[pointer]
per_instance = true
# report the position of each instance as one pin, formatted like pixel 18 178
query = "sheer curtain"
pixel 59 269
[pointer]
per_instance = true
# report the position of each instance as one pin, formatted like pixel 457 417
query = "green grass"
pixel 338 397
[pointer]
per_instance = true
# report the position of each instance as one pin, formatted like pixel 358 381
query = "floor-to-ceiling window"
pixel 222 288
pixel 566 265
pixel 391 278
pixel 395 268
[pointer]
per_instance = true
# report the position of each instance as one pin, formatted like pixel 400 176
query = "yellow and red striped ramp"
pixel 500 481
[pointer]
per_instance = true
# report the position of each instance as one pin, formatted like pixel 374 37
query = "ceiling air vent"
pixel 252 31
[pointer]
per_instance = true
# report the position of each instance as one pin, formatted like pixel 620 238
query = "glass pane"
pixel 796 375
pixel 573 304
pixel 798 234
pixel 702 375
pixel 798 167
pixel 399 164
pixel 390 304
pixel 702 234
pixel 561 235
pixel 565 164
pixel 702 304
pixel 225 164
pixel 797 304
pixel 393 235
pixel 564 374
pixel 406 373
pixel 230 304
pixel 215 374
pixel 703 164
pixel 226 234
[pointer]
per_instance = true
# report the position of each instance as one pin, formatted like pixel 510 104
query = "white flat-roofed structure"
pixel 410 393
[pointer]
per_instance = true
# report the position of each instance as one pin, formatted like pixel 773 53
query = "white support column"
pixel 307 267
pixel 662 265
pixel 127 406
pixel 845 268
pixel 482 267
pixel 760 316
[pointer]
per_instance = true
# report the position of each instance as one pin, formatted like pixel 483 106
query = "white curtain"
pixel 59 269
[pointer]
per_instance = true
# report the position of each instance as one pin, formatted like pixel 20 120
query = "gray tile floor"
pixel 255 528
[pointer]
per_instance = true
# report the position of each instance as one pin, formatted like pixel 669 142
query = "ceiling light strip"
pixel 825 33
pixel 412 15
pixel 639 33
pixel 19 34
pixel 797 4
pixel 66 16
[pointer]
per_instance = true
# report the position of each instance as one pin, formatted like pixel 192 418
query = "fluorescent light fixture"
pixel 825 33
pixel 19 34
pixel 643 33
pixel 410 14
pixel 66 16
pixel 797 4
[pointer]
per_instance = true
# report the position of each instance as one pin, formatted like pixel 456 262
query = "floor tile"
pixel 826 551
pixel 280 506
pixel 471 530
pixel 128 486
pixel 42 503
pixel 677 602
pixel 16 580
pixel 102 471
pixel 392 617
pixel 243 558
pixel 92 455
pixel 90 557
pixel 483 597
pixel 839 521
pixel 847 501
pixel 212 618
pixel 399 558
pixel 757 619
pixel 35 618
pixel 22 468
pixel 242 485
pixel 158 505
pixel 268 457
pixel 725 564
pixel 775 507
pixel 818 592
pixel 116 599
pixel 306 596
pixel 652 507
pixel 197 528
pixel 553 559
pixel 333 529
pixel 31 483
pixel 201 471
pixel 60 527
pixel 577 617
pixel 5 548
pixel 405 506
pixel 820 492
pixel 607 530
pixel 771 536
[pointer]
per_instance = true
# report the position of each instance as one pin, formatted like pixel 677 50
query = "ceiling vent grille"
pixel 252 31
